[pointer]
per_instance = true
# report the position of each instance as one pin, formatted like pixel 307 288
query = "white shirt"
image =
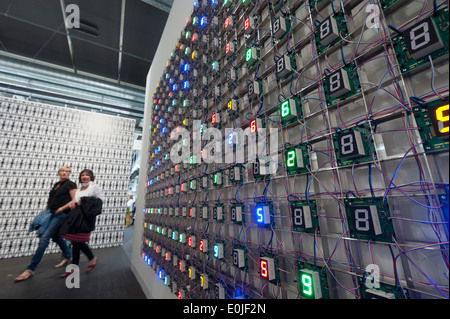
pixel 92 190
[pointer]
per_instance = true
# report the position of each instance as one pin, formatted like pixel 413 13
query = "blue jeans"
pixel 45 240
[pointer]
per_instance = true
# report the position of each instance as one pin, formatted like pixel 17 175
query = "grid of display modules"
pixel 358 207
pixel 36 139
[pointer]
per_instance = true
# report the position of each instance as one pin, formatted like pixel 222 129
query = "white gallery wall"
pixel 35 140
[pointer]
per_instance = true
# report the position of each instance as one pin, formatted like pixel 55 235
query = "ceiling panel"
pixel 35 29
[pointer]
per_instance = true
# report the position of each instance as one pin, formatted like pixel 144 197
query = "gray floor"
pixel 111 279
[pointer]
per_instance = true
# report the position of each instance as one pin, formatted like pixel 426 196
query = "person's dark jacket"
pixel 81 219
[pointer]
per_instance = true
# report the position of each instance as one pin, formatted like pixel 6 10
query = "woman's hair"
pixel 64 168
pixel 89 172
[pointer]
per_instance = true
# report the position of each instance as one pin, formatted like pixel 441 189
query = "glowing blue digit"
pixel 259 214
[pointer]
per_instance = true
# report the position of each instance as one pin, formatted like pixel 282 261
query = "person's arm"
pixel 68 205
pixel 98 192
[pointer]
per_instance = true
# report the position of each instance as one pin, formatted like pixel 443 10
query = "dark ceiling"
pixel 36 29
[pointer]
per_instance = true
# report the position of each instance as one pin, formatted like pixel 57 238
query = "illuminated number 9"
pixel 442 119
pixel 424 34
pixel 216 251
pixel 324 29
pixel 362 219
pixel 347 144
pixel 307 285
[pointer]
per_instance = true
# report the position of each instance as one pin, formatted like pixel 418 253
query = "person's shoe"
pixel 24 276
pixel 92 264
pixel 66 274
pixel 63 262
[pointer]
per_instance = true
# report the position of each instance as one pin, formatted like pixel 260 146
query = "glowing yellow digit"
pixel 442 119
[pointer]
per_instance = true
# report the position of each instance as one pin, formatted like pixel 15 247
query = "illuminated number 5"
pixel 260 215
pixel 424 34
pixel 442 119
pixel 264 269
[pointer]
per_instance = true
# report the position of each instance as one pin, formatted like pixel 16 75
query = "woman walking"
pixel 61 194
pixel 80 222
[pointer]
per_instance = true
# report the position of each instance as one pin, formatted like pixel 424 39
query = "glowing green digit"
pixel 307 285
pixel 285 110
pixel 248 55
pixel 291 158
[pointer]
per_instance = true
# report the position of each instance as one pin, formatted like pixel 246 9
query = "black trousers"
pixel 77 248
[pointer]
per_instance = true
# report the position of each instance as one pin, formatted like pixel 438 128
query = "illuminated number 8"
pixel 362 219
pixel 335 81
pixel 248 55
pixel 347 144
pixel 424 34
pixel 276 26
pixel 324 29
pixel 298 217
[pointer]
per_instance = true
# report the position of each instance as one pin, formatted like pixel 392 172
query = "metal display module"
pixel 346 196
